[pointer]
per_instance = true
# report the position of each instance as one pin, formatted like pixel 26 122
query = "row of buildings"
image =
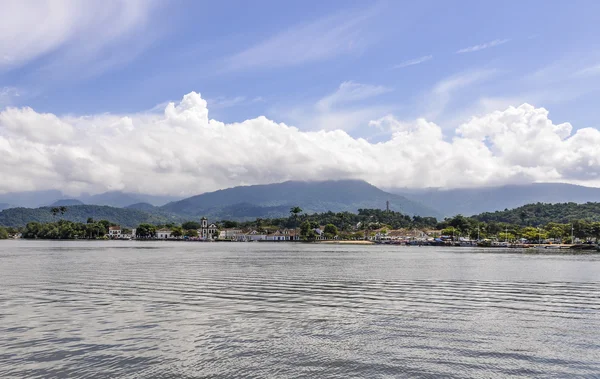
pixel 206 232
pixel 210 231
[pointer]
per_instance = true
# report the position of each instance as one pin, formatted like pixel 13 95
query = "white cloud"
pixel 349 92
pixel 482 46
pixel 77 33
pixel 7 95
pixel 459 81
pixel 183 152
pixel 589 71
pixel 446 89
pixel 413 62
pixel 346 108
pixel 323 39
pixel 221 102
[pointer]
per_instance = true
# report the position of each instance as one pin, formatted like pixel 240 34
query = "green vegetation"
pixel 344 221
pixel 330 231
pixel 145 231
pixel 58 210
pixel 191 225
pixel 17 217
pixel 307 230
pixel 246 203
pixel 506 231
pixel 534 222
pixel 542 214
pixel 64 229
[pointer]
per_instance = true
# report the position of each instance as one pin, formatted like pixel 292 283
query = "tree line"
pixel 64 229
pixel 534 222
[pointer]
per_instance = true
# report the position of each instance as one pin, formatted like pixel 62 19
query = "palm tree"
pixel 258 224
pixel 295 211
pixel 57 210
pixel 342 217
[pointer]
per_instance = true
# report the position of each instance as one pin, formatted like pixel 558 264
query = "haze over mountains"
pixel 471 201
pixel 34 199
pixel 238 203
pixel 275 200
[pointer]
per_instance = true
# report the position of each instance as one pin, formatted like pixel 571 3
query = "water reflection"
pixel 174 310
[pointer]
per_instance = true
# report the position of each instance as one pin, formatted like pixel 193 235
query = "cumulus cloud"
pixel 183 152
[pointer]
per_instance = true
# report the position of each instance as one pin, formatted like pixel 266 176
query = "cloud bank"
pixel 183 152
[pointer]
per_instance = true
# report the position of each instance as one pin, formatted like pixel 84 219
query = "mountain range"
pixel 275 200
pixel 238 203
pixel 34 199
pixel 471 201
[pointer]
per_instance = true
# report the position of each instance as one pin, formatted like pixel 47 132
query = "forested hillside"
pixel 80 213
pixel 541 213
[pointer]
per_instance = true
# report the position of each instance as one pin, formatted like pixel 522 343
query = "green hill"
pixel 541 214
pixel 275 200
pixel 80 213
pixel 142 207
pixel 66 203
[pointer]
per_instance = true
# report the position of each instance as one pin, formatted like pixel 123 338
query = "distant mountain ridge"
pixel 471 201
pixel 30 199
pixel 275 200
pixel 66 203
pixel 238 203
pixel 5 206
pixel 35 199
pixel 80 213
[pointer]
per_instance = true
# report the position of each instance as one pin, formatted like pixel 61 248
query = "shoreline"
pixel 358 242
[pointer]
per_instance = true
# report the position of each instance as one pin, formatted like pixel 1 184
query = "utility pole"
pixel 387 206
pixel 477 233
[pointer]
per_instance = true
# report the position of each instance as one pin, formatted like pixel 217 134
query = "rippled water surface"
pixel 223 310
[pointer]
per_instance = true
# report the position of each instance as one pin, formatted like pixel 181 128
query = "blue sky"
pixel 333 65
pixel 279 58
